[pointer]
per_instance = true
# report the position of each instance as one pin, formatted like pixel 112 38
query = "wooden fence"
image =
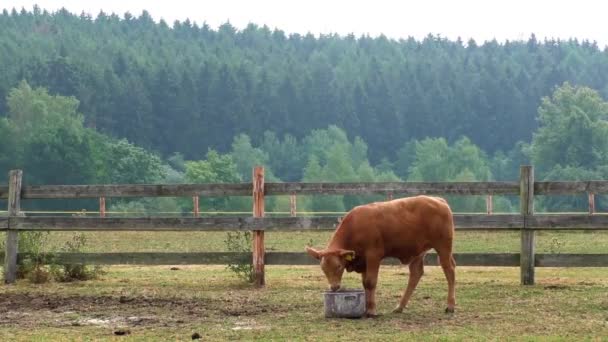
pixel 527 222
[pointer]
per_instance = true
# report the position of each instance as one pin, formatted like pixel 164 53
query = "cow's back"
pixel 401 228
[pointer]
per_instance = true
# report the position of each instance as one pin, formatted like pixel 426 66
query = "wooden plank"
pixel 102 207
pixel 135 190
pixel 591 199
pixel 572 260
pixel 402 188
pixel 3 223
pixel 3 192
pixel 59 223
pixel 280 258
pixel 293 202
pixel 300 258
pixel 571 188
pixel 11 246
pixel 489 205
pixel 195 206
pixel 528 236
pixel 488 222
pixel 462 259
pixel 258 235
pixel 478 259
pixel 242 189
pixel 151 258
pixel 567 222
pixel 183 190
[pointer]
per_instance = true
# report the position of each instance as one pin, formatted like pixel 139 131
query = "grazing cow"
pixel 405 229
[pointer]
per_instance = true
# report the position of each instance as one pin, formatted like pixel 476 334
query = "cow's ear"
pixel 313 252
pixel 347 254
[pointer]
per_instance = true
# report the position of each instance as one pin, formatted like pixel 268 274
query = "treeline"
pixel 185 88
pixel 45 135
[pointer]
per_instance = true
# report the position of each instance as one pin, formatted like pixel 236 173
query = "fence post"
pixel 258 235
pixel 591 203
pixel 195 207
pixel 389 196
pixel 528 237
pixel 292 204
pixel 102 207
pixel 489 205
pixel 12 237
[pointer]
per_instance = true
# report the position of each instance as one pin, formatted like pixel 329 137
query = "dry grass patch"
pixel 156 303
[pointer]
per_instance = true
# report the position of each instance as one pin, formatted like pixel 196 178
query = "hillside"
pixel 186 88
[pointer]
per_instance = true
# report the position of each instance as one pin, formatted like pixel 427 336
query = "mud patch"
pixel 28 310
pixel 117 321
pixel 556 287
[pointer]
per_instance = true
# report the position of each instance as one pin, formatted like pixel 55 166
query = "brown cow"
pixel 405 229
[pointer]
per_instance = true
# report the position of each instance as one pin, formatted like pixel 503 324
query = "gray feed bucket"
pixel 344 304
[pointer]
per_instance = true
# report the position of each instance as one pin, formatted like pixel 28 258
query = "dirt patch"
pixel 556 287
pixel 24 310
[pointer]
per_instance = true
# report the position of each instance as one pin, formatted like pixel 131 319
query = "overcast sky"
pixel 479 19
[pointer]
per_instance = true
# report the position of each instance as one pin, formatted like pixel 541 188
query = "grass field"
pixel 157 303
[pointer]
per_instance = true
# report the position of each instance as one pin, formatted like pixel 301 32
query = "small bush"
pixel 31 265
pixel 40 266
pixel 240 242
pixel 39 275
pixel 79 271
pixel 556 245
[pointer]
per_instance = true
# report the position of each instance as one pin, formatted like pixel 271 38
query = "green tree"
pixel 463 161
pixel 320 203
pixel 7 156
pixel 286 158
pixel 571 142
pixel 406 155
pixel 125 163
pixel 573 130
pixel 246 157
pixel 49 137
pixel 217 169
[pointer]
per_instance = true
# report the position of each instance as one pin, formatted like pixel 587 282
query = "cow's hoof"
pixel 371 315
pixel 398 310
pixel 449 310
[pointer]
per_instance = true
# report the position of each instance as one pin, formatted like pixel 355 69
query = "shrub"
pixel 240 242
pixel 67 272
pixel 39 266
pixel 31 265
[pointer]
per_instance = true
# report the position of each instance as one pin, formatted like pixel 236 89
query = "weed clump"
pixel 40 266
pixel 240 242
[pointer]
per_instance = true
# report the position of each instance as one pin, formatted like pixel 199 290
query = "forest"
pixel 124 99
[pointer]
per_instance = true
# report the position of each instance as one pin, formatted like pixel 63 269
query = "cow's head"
pixel 333 263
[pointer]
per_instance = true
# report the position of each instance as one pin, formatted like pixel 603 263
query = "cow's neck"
pixel 340 239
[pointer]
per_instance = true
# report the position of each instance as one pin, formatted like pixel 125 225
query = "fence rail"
pixel 571 188
pixel 462 222
pixel 526 221
pixel 276 189
pixel 303 259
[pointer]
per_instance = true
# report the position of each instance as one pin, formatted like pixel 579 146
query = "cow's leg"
pixel 416 272
pixel 446 259
pixel 370 279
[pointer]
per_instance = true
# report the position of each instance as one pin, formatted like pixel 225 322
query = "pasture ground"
pixel 157 303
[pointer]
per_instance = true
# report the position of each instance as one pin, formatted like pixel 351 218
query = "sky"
pixel 478 19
